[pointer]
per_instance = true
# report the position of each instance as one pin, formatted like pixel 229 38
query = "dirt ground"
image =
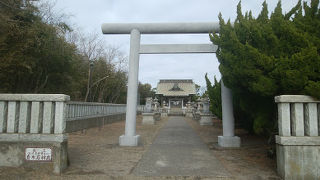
pixel 95 154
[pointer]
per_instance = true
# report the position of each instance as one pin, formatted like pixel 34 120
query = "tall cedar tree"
pixel 263 57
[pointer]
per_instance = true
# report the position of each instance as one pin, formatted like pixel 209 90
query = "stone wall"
pixel 85 123
pixel 32 131
pixel 33 127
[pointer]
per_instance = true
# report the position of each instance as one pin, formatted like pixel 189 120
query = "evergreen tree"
pixel 145 90
pixel 267 56
pixel 214 94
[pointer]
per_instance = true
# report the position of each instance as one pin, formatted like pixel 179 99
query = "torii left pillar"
pixel 130 138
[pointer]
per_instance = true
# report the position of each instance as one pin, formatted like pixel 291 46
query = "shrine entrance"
pixel 130 138
pixel 175 103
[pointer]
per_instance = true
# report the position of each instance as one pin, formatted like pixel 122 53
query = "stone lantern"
pixel 148 106
pixel 189 110
pixel 155 105
pixel 196 114
pixel 206 115
pixel 148 115
pixel 164 111
pixel 156 109
pixel 206 105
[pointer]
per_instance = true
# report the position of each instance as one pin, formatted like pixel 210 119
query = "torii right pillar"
pixel 228 139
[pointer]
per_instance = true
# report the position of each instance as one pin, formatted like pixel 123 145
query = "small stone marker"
pixel 38 154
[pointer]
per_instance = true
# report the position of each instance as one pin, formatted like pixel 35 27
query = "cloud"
pixel 175 66
pixel 91 14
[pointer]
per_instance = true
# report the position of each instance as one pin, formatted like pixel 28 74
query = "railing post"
pixel 284 119
pixel 47 126
pixel 3 114
pixel 310 119
pixel 297 119
pixel 11 125
pixel 23 116
pixel 60 118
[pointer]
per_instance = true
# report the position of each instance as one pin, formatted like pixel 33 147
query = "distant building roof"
pixel 176 87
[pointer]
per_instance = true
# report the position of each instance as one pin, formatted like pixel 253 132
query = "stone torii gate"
pixel 130 138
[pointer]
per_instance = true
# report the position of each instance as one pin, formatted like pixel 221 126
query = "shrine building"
pixel 175 92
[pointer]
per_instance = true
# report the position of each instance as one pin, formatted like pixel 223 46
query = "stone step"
pixel 175 114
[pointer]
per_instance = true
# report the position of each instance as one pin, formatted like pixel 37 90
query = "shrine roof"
pixel 176 87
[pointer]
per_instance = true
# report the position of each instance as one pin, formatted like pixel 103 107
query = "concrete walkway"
pixel 179 151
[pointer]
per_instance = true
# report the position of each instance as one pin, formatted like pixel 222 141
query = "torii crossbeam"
pixel 130 138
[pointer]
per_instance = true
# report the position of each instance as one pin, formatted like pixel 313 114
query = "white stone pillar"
pixel 130 138
pixel 228 139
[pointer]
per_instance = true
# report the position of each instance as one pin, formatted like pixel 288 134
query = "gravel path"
pixel 179 151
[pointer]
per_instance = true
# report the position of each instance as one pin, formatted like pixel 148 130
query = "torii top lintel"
pixel 161 28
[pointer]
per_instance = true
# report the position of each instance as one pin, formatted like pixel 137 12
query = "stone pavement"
pixel 178 151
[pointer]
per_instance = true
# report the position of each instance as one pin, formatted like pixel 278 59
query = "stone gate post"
pixel 298 142
pixel 32 131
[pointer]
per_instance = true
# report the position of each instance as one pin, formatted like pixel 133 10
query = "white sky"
pixel 90 14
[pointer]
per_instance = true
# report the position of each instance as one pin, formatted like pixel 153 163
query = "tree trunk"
pixel 88 85
pixel 101 93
